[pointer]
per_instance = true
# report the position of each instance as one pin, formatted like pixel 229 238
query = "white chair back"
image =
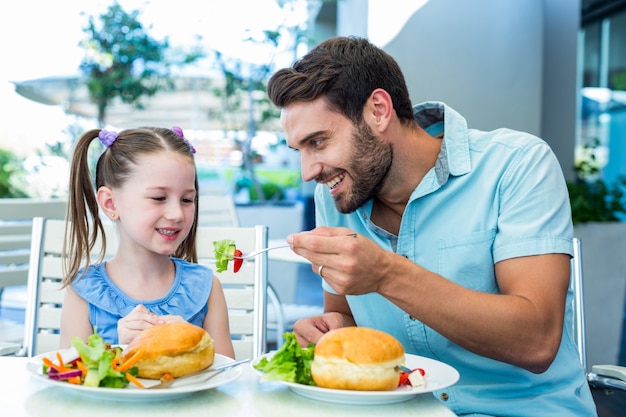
pixel 245 290
pixel 16 215
pixel 219 210
pixel 44 294
pixel 578 307
pixel 610 377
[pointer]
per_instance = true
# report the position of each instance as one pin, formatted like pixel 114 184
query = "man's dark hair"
pixel 345 71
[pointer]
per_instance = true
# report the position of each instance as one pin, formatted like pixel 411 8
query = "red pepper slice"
pixel 237 262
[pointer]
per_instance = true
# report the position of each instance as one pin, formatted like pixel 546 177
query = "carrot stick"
pixel 82 368
pixel 134 380
pixel 75 380
pixel 62 367
pixel 53 365
pixel 127 364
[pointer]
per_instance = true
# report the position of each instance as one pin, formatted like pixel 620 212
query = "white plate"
pixel 132 392
pixel 438 376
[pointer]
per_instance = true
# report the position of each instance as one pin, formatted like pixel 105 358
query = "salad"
pixel 98 364
pixel 291 363
pixel 225 250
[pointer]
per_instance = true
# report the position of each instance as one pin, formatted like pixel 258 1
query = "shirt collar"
pixel 439 119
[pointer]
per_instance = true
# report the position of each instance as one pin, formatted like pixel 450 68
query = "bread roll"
pixel 357 358
pixel 175 348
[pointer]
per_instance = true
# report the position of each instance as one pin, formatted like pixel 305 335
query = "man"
pixel 463 238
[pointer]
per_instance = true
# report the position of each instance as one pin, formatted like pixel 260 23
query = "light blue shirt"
pixel 491 196
pixel 188 297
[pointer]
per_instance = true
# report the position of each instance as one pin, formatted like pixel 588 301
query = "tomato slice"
pixel 237 262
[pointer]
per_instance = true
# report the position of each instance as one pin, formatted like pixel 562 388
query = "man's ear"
pixel 106 202
pixel 379 110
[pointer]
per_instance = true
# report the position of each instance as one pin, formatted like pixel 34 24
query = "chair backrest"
pixel 42 320
pixel 246 290
pixel 16 216
pixel 578 307
pixel 220 210
pixel 217 210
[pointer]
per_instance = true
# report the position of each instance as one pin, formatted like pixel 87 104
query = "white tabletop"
pixel 22 395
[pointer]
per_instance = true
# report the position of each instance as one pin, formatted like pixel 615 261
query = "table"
pixel 21 395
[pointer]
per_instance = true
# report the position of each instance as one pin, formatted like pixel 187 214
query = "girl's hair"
pixel 345 71
pixel 115 166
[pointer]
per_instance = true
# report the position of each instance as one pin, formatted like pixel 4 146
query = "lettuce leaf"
pixel 224 251
pixel 97 358
pixel 290 363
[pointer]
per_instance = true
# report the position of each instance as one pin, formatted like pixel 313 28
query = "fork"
pixel 210 373
pixel 254 253
pixel 260 251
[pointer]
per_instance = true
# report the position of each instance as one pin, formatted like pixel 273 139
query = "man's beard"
pixel 370 163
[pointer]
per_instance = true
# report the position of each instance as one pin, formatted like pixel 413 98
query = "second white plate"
pixel 438 376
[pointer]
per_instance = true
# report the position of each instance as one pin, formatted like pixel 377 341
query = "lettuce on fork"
pixel 224 252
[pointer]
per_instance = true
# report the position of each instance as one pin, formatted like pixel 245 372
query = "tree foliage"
pixel 11 174
pixel 122 60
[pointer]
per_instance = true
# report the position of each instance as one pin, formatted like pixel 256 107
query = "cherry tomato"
pixel 404 377
pixel 237 262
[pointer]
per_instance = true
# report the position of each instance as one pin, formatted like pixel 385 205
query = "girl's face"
pixel 156 205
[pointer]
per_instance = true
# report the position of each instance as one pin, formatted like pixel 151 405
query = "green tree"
pixel 244 88
pixel 11 175
pixel 122 60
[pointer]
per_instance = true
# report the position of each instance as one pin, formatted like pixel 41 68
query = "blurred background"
pixel 554 68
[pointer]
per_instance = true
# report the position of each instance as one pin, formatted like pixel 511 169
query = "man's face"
pixel 348 158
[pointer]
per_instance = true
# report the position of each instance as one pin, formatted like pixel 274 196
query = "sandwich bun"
pixel 357 358
pixel 171 348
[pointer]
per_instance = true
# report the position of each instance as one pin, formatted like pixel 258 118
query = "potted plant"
pixel 591 198
pixel 598 211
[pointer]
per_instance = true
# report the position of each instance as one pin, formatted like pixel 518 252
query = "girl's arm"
pixel 216 321
pixel 74 318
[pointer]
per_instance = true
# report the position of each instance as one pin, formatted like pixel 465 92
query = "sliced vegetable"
pixel 98 365
pixel 237 261
pixel 134 380
pixel 412 377
pixel 53 373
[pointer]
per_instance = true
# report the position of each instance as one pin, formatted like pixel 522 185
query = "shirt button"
pixel 444 396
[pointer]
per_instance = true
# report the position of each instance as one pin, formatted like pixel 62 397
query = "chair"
pixel 44 293
pixel 246 291
pixel 16 216
pixel 600 376
pixel 219 210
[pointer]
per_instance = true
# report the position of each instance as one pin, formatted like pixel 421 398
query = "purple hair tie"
pixel 107 138
pixel 179 132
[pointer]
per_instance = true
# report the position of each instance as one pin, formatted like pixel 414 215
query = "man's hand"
pixel 351 264
pixel 310 329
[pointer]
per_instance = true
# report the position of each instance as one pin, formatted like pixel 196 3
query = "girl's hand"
pixel 172 319
pixel 135 322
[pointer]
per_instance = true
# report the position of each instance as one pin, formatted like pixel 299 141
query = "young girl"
pixel 146 182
